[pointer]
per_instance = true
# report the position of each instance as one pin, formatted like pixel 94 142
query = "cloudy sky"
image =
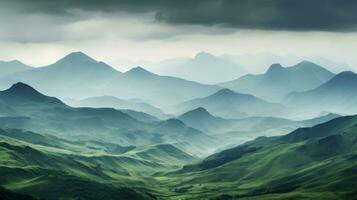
pixel 39 32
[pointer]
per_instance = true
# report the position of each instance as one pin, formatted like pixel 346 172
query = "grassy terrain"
pixel 309 163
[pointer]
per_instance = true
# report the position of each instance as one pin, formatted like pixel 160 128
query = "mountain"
pixel 74 75
pixel 79 76
pixel 229 104
pixel 114 102
pixel 307 163
pixel 158 90
pixel 10 67
pixel 215 69
pixel 237 131
pixel 337 95
pixel 279 81
pixel 201 119
pixel 28 109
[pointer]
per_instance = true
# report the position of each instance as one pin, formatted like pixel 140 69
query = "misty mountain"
pixel 114 102
pixel 80 76
pixel 236 131
pixel 74 75
pixel 215 69
pixel 28 109
pixel 278 81
pixel 228 104
pixel 10 67
pixel 337 95
pixel 159 90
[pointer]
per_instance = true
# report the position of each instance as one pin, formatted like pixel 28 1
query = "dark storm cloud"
pixel 301 15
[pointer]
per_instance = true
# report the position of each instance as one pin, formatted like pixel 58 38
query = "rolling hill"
pixel 312 163
pixel 279 81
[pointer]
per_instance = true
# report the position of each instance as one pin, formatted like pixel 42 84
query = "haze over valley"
pixel 178 100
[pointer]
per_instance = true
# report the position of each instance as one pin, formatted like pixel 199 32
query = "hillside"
pixel 302 164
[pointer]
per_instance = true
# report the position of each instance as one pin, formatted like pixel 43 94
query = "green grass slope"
pixel 309 163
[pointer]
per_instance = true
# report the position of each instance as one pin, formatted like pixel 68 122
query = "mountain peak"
pixel 225 91
pixel 203 55
pixel 23 92
pixel 200 111
pixel 276 67
pixel 346 74
pixel 138 71
pixel 76 57
pixel 21 88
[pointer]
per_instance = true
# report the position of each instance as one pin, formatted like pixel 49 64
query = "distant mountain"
pixel 79 76
pixel 10 67
pixel 236 131
pixel 338 95
pixel 215 69
pixel 279 81
pixel 229 104
pixel 304 163
pixel 25 108
pixel 114 102
pixel 201 119
pixel 158 90
pixel 72 76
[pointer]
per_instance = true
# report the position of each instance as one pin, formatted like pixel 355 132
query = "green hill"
pixel 309 163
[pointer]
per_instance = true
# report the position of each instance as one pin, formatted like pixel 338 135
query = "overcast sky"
pixel 38 32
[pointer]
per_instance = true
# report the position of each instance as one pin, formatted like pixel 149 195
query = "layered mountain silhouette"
pixel 229 104
pixel 26 108
pixel 75 74
pixel 236 131
pixel 79 76
pixel 279 81
pixel 10 67
pixel 114 102
pixel 159 90
pixel 215 69
pixel 337 95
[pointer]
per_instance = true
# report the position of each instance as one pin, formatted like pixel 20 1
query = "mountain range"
pixel 10 67
pixel 236 131
pixel 279 81
pixel 114 102
pixel 229 104
pixel 339 95
pixel 79 76
pixel 24 107
pixel 215 69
